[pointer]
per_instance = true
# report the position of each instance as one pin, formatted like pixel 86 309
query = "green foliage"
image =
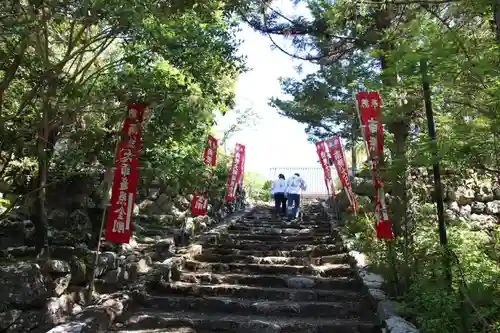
pixel 255 186
pixel 323 100
pixel 267 190
pixel 428 303
pixel 67 74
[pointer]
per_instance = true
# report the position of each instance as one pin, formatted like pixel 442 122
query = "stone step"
pixel 278 260
pixel 156 330
pixel 273 218
pixel 220 323
pixel 256 293
pixel 277 241
pixel 316 252
pixel 298 239
pixel 266 246
pixel 275 281
pixel 281 231
pixel 249 307
pixel 326 270
pixel 281 224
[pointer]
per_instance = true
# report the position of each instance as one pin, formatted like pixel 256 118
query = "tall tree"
pixel 69 71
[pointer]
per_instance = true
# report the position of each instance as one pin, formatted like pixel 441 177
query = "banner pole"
pixel 335 209
pixel 334 196
pixel 353 197
pixel 105 203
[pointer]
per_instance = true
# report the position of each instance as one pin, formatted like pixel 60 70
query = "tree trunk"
pixel 46 140
pixel 40 221
pixel 398 178
pixel 399 127
pixel 496 19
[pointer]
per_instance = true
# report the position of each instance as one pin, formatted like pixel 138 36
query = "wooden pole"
pixel 438 188
pixel 105 203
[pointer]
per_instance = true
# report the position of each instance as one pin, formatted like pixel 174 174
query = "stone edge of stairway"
pixel 389 319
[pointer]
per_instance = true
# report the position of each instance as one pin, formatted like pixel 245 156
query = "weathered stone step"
pixel 316 252
pixel 326 270
pixel 158 330
pixel 281 224
pixel 251 307
pixel 266 246
pixel 239 323
pixel 277 241
pixel 239 259
pixel 291 226
pixel 275 281
pixel 300 239
pixel 272 218
pixel 254 293
pixel 281 231
pixel 277 260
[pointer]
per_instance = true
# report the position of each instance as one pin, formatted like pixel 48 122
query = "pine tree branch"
pixel 296 28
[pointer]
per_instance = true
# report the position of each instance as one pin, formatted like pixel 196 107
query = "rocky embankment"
pixel 472 200
pixel 36 295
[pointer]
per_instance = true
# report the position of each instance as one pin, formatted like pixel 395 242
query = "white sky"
pixel 275 141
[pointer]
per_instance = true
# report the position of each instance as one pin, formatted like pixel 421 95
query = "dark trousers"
pixel 293 205
pixel 280 203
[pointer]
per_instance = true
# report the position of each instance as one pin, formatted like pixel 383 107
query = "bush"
pixel 416 274
pixel 257 187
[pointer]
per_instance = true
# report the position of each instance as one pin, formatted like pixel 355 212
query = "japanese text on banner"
pixel 234 171
pixel 383 224
pixel 369 108
pixel 210 153
pixel 119 223
pixel 241 169
pixel 369 114
pixel 323 158
pixel 199 204
pixel 335 148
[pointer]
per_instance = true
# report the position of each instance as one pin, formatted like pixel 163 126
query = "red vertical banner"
pixel 235 172
pixel 210 153
pixel 241 169
pixel 199 204
pixel 327 162
pixel 339 160
pixel 123 190
pixel 323 159
pixel 368 104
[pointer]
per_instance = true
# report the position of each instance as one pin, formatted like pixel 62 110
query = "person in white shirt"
pixel 278 188
pixel 295 186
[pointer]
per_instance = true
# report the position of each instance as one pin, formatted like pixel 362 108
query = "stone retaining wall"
pixel 473 202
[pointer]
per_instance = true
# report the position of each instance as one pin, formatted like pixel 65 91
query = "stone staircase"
pixel 261 275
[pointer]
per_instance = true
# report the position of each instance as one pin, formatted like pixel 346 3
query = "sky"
pixel 274 141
